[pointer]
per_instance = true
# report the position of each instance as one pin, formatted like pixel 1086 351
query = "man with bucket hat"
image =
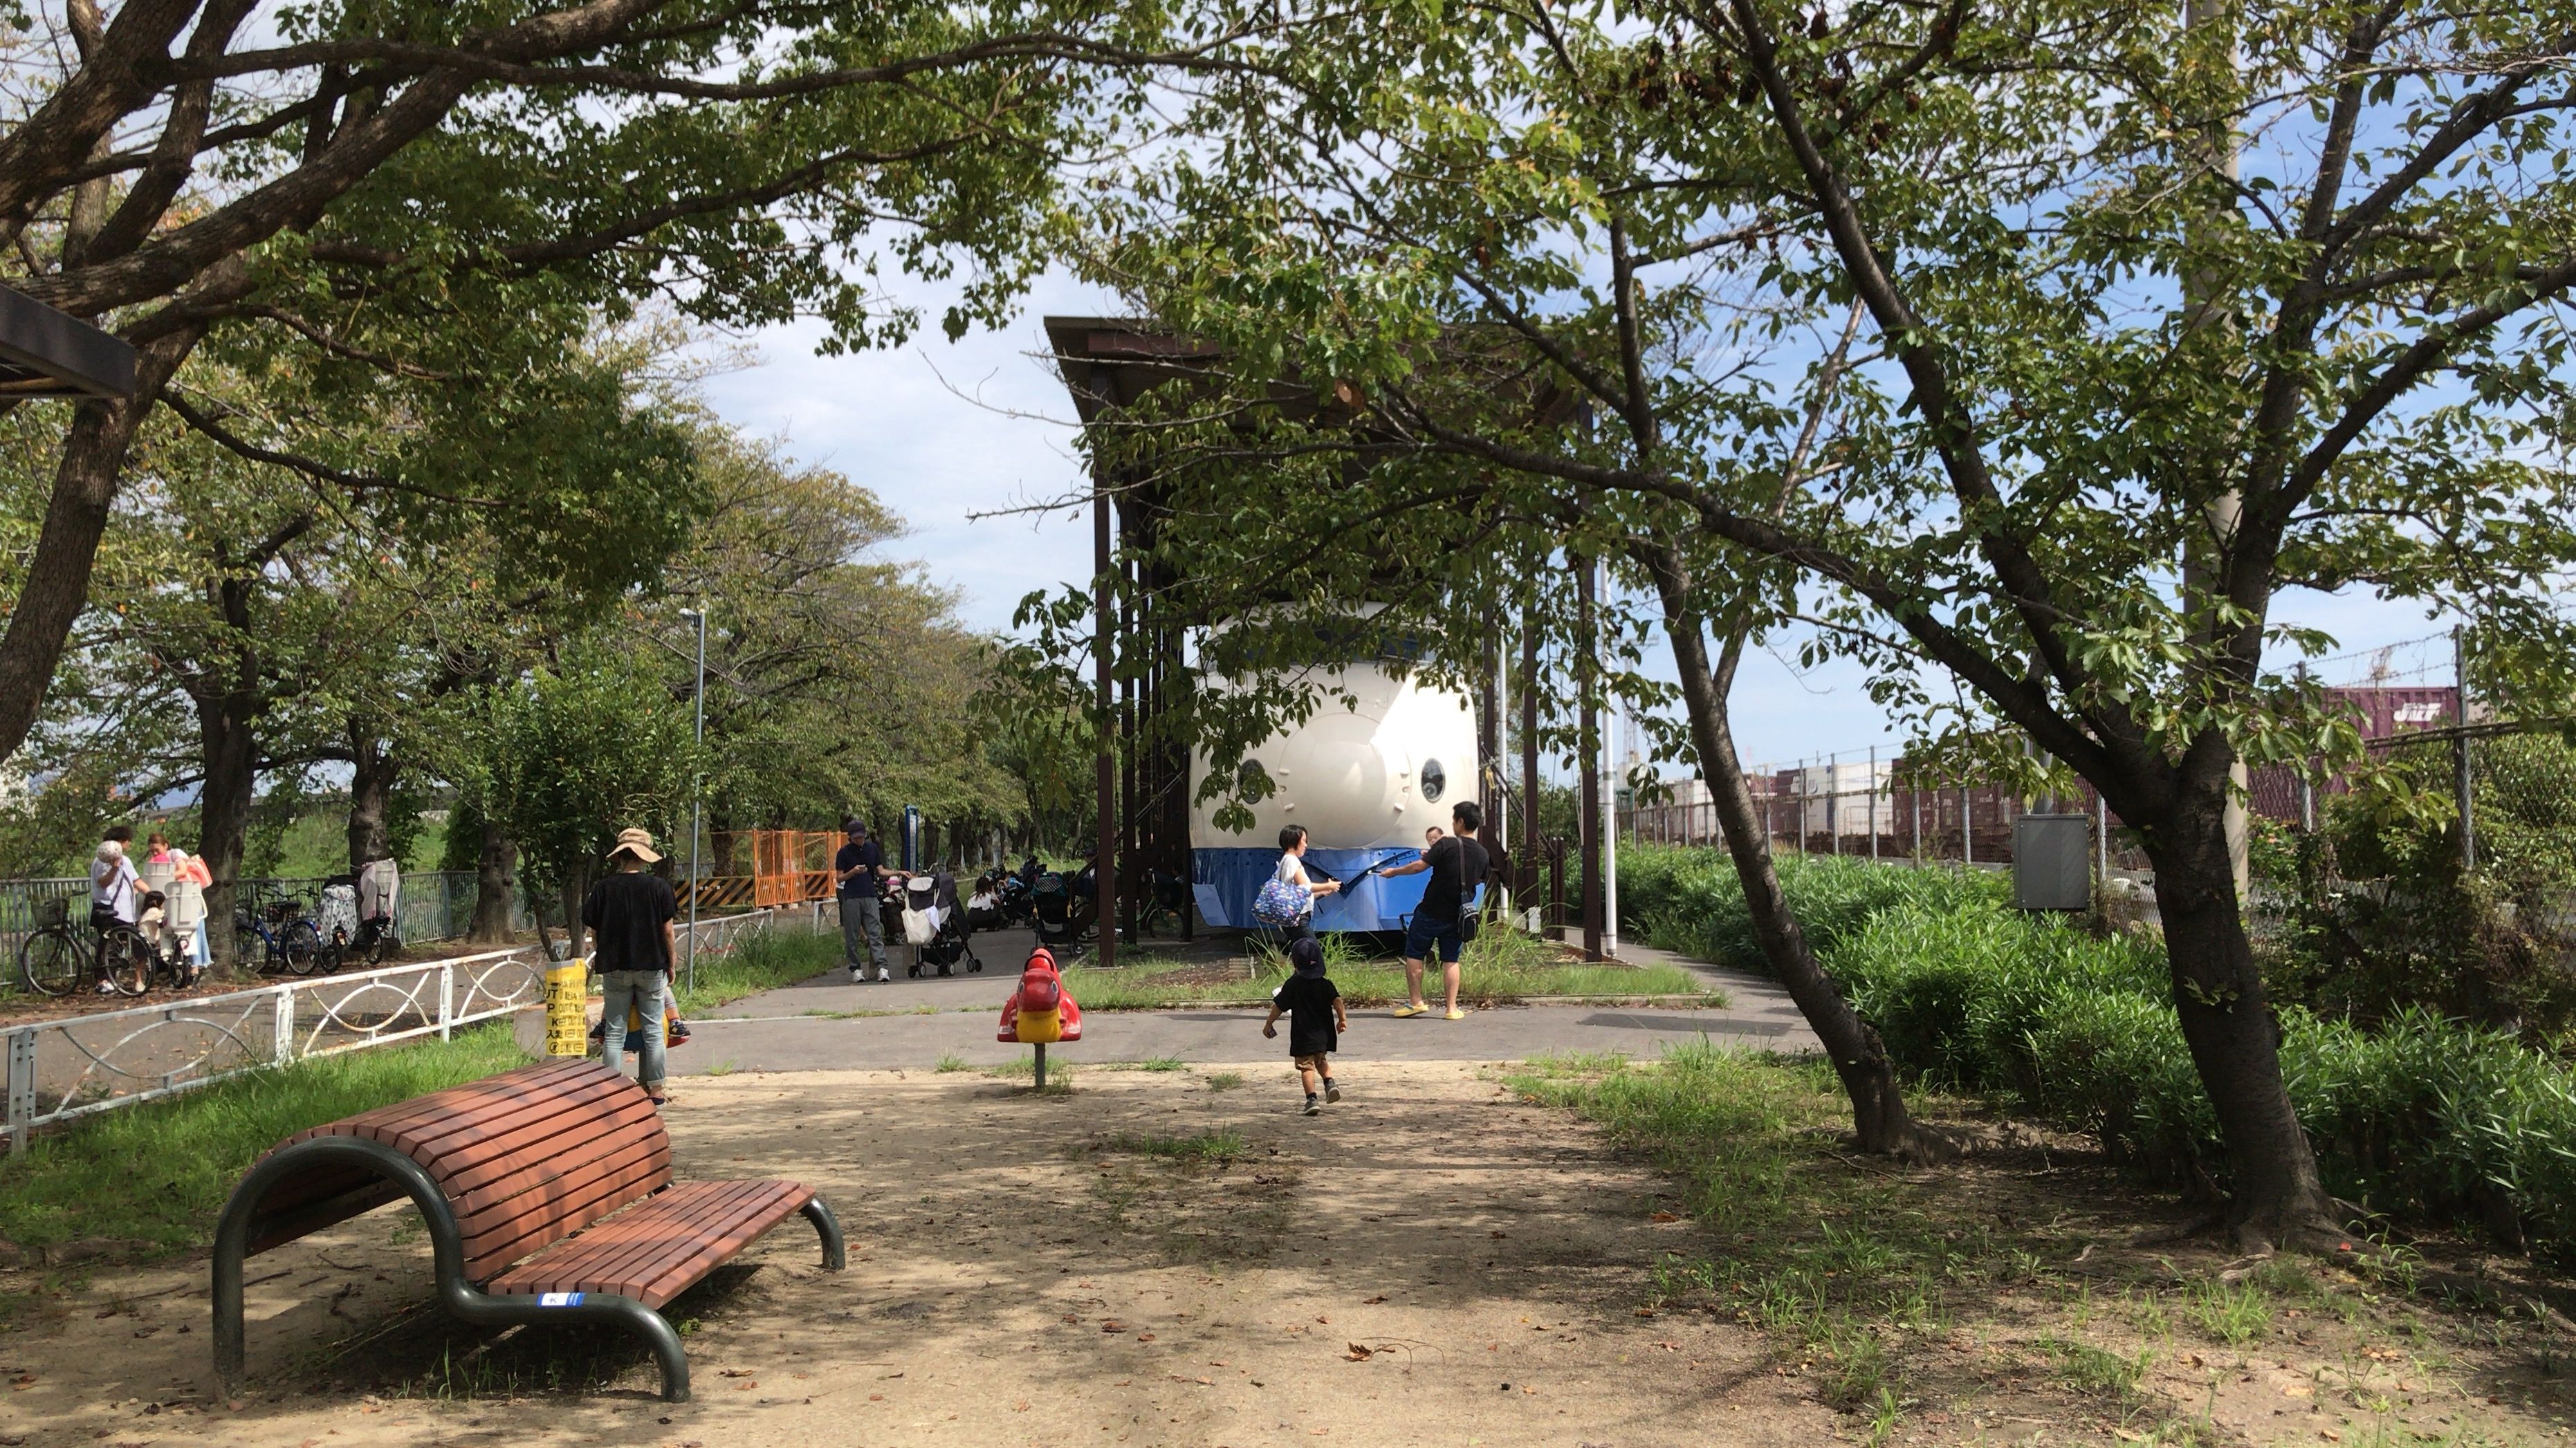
pixel 629 915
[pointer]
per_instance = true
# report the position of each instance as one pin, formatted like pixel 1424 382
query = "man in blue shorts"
pixel 1457 864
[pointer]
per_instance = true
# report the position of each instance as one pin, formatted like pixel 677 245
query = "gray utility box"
pixel 2053 862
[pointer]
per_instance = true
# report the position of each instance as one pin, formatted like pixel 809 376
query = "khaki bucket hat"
pixel 638 843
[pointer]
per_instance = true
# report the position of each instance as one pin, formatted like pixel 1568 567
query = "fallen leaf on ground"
pixel 1665 1217
pixel 1111 1324
pixel 1360 1354
pixel 1372 1301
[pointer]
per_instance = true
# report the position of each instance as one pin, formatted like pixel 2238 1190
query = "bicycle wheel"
pixel 381 944
pixel 50 961
pixel 125 958
pixel 300 943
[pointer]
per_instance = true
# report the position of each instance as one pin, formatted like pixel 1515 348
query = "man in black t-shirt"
pixel 859 869
pixel 629 915
pixel 1458 866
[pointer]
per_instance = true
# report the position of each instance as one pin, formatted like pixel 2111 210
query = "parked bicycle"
pixel 60 958
pixel 345 937
pixel 288 941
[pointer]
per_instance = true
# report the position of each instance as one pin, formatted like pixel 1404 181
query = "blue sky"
pixel 942 431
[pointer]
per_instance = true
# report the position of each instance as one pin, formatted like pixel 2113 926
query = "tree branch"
pixel 200 422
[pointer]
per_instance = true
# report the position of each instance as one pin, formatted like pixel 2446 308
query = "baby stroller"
pixel 934 925
pixel 1064 906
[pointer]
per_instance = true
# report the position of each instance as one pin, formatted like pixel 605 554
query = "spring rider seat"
pixel 1040 1010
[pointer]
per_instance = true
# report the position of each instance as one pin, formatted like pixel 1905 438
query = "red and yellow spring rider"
pixel 1041 1010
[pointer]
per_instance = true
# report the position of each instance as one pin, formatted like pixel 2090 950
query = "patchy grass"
pixel 1151 1063
pixel 771 959
pixel 950 1061
pixel 1960 1304
pixel 1207 1146
pixel 1501 967
pixel 1059 1073
pixel 1224 1080
pixel 158 1173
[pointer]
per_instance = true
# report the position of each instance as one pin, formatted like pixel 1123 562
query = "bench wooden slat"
pixel 466 1101
pixel 464 1138
pixel 535 1153
pixel 554 1218
pixel 510 1138
pixel 749 1224
pixel 619 1248
pixel 660 1247
pixel 658 1240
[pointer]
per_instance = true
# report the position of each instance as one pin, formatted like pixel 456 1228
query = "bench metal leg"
pixel 836 1255
pixel 644 1322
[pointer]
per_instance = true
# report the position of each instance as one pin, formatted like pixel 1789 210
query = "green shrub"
pixel 2421 1117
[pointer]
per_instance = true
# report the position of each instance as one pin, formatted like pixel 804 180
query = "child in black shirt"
pixel 1315 1019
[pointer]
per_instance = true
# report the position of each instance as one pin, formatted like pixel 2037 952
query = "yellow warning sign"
pixel 567 992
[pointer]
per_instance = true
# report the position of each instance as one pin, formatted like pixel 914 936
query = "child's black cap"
pixel 1307 957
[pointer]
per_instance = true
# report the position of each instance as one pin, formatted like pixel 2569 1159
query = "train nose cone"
pixel 1340 780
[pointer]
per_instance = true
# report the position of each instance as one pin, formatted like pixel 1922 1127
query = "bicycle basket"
pixel 52 910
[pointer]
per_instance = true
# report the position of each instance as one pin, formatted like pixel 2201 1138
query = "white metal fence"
pixel 78 1066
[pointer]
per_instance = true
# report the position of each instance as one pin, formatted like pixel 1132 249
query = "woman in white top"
pixel 1292 869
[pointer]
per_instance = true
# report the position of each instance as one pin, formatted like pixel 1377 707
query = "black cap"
pixel 1306 955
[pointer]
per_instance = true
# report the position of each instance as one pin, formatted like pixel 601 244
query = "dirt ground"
pixel 1177 1257
pixel 1430 1261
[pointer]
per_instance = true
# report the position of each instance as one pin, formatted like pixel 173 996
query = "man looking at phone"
pixel 1457 864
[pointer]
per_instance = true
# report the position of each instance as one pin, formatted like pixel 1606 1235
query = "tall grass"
pixel 158 1173
pixel 2421 1117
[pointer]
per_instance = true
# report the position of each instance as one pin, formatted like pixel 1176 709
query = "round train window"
pixel 1251 779
pixel 1435 780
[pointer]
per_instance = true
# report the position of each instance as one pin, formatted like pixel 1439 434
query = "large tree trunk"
pixel 371 788
pixel 496 884
pixel 227 735
pixel 57 582
pixel 2275 1195
pixel 1880 1121
pixel 576 890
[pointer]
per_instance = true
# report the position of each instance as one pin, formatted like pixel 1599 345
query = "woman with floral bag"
pixel 1287 902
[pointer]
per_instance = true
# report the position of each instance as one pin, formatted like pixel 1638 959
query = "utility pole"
pixel 1528 871
pixel 1610 835
pixel 1104 879
pixel 2307 771
pixel 2460 751
pixel 697 790
pixel 1587 666
pixel 1497 795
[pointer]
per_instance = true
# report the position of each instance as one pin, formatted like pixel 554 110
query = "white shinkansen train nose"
pixel 1338 778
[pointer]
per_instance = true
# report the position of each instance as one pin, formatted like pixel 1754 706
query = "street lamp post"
pixel 697 789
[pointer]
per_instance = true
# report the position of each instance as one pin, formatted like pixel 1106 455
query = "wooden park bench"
pixel 548 1195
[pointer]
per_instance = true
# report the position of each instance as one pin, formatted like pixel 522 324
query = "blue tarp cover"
pixel 1226 881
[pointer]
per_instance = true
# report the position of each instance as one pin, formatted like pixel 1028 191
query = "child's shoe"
pixel 1331 1091
pixel 1313 1106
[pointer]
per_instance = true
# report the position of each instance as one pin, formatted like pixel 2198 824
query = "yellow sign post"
pixel 567 996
